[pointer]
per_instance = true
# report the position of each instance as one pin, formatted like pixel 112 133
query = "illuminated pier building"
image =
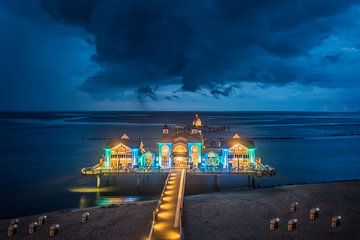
pixel 181 147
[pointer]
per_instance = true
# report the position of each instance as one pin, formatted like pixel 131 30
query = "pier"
pixel 254 175
pixel 181 151
pixel 167 215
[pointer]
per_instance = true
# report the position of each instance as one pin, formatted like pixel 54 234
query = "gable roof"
pixel 125 141
pixel 245 142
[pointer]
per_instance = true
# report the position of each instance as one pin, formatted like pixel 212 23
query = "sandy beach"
pixel 243 214
pixel 246 214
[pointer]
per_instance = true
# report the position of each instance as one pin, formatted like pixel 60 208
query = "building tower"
pixel 165 129
pixel 197 121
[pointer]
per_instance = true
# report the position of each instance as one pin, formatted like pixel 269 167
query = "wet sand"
pixel 229 215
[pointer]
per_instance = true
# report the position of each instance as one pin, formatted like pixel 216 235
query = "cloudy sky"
pixel 180 55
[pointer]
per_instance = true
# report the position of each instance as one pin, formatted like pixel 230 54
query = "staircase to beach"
pixel 167 215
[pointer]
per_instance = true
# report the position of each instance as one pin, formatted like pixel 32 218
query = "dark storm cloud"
pixel 333 58
pixel 146 92
pixel 172 97
pixel 198 44
pixel 223 91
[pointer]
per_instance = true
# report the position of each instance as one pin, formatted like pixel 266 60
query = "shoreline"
pixel 228 214
pixel 154 200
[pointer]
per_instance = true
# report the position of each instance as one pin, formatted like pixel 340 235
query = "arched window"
pixel 165 150
pixel 211 155
pixel 180 149
pixel 212 159
pixel 195 154
pixel 121 150
pixel 165 156
pixel 148 159
pixel 194 149
pixel 238 150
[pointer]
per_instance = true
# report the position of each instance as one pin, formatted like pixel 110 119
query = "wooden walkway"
pixel 167 215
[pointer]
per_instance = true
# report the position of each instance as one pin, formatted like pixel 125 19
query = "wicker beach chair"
pixel 335 221
pixel 42 220
pixel 12 230
pixel 85 217
pixel 293 206
pixel 292 224
pixel 32 227
pixel 314 213
pixel 274 223
pixel 54 230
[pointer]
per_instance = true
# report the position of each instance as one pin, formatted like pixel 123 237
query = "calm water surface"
pixel 41 154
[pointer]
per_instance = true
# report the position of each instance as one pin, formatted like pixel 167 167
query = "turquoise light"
pixel 134 155
pixel 252 155
pixel 160 155
pixel 107 156
pixel 225 157
pixel 143 159
pixel 198 144
pixel 218 159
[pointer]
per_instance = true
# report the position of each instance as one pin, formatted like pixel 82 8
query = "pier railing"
pixel 178 220
pixel 110 171
pixel 260 170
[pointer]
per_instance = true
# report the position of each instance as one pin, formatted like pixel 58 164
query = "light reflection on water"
pixel 98 200
pixel 107 200
pixel 91 189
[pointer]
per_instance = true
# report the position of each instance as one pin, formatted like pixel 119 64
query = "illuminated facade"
pixel 181 149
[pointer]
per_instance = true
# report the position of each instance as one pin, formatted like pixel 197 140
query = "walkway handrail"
pixel 158 206
pixel 179 207
pixel 182 189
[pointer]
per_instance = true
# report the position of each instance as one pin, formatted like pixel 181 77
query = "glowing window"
pixel 211 155
pixel 180 149
pixel 165 149
pixel 239 149
pixel 194 149
pixel 121 149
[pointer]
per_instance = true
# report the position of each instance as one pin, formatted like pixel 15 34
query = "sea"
pixel 42 153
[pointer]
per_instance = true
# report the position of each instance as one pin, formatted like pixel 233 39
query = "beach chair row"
pixel 41 221
pixel 313 214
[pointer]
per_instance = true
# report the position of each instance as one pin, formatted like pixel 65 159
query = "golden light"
pixel 160 226
pixel 90 189
pixel 165 215
pixel 169 192
pixel 166 198
pixel 166 206
pixel 180 149
pixel 172 235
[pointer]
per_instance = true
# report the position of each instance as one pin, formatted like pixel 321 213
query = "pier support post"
pixel 253 181
pixel 144 182
pixel 248 181
pixel 258 182
pixel 98 181
pixel 217 183
pixel 138 183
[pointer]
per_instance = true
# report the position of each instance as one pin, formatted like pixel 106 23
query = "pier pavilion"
pixel 180 146
pixel 180 151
